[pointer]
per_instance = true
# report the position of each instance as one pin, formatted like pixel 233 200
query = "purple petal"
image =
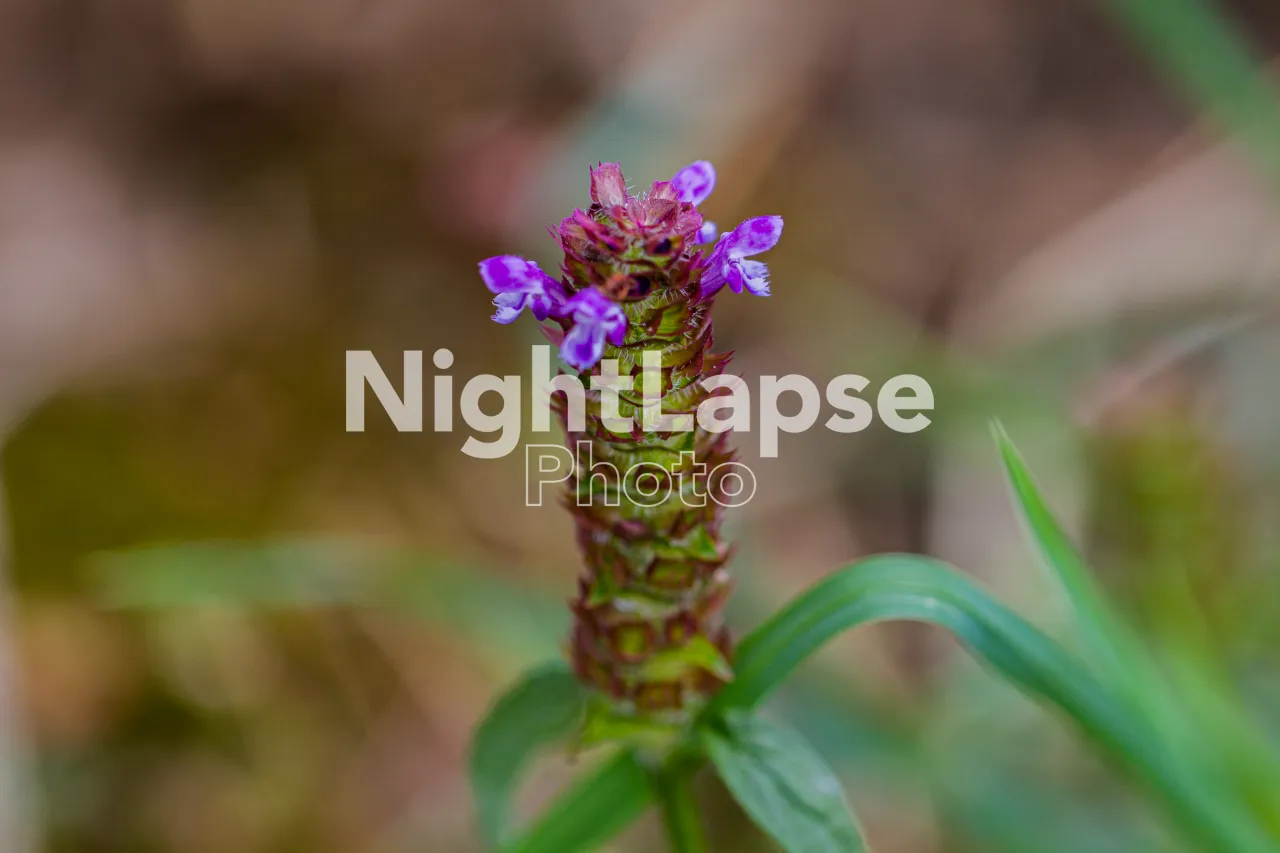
pixel 608 186
pixel 616 328
pixel 695 182
pixel 588 306
pixel 595 317
pixel 583 346
pixel 713 275
pixel 549 303
pixel 707 232
pixel 520 283
pixel 733 275
pixel 755 275
pixel 541 306
pixel 509 306
pixel 756 235
pixel 512 274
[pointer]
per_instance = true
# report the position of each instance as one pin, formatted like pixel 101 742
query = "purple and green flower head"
pixel 623 248
pixel 639 275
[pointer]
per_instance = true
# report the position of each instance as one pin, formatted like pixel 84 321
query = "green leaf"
pixel 783 784
pixel 1106 641
pixel 593 811
pixel 545 706
pixel 920 589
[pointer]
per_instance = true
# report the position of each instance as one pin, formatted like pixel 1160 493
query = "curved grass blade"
pixel 593 811
pixel 782 784
pixel 1237 754
pixel 920 589
pixel 545 706
pixel 1104 638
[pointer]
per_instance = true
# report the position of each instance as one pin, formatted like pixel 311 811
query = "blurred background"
pixel 229 625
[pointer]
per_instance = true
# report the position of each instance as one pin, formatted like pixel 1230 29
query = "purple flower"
pixel 728 265
pixel 595 318
pixel 695 182
pixel 707 232
pixel 520 283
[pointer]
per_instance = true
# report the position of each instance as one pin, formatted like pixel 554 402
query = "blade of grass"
pixel 1199 50
pixel 1104 638
pixel 919 589
pixel 1186 704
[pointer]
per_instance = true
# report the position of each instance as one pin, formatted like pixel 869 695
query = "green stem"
pixel 673 787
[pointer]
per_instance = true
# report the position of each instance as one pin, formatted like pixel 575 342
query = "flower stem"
pixel 674 788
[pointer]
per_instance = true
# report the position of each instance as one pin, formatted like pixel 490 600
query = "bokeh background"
pixel 229 625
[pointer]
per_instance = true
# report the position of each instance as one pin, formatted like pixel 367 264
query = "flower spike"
pixel 639 275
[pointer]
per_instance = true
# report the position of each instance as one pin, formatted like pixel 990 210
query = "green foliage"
pixel 673 786
pixel 301 573
pixel 1199 50
pixel 1139 726
pixel 783 784
pixel 921 589
pixel 594 810
pixel 1106 643
pixel 1182 706
pixel 305 573
pixel 544 707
